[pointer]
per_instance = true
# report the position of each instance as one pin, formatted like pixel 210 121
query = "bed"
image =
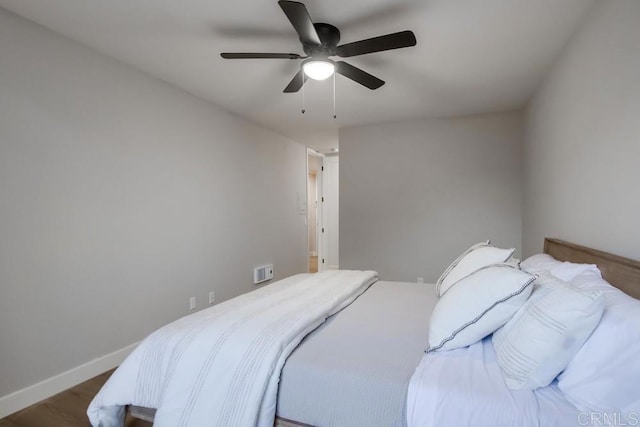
pixel 366 365
pixel 480 396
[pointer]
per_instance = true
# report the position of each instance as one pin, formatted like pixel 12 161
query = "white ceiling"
pixel 472 56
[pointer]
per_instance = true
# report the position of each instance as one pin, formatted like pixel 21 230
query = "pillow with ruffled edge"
pixel 538 342
pixel 478 305
pixel 477 256
pixel 605 373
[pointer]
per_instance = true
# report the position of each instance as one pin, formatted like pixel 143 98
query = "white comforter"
pixel 464 387
pixel 221 366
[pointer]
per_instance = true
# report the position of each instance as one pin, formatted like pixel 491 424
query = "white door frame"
pixel 319 242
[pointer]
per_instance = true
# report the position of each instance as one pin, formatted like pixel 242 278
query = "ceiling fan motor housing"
pixel 329 39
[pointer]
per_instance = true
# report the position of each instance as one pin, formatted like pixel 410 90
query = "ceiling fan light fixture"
pixel 318 69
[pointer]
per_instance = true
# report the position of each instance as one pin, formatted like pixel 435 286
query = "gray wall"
pixel 415 194
pixel 582 149
pixel 120 197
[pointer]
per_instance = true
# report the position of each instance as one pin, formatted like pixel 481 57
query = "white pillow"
pixel 477 256
pixel 605 373
pixel 546 332
pixel 546 264
pixel 478 305
pixel 539 264
pixel 567 271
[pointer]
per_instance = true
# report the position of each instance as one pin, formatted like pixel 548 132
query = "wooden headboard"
pixel 623 273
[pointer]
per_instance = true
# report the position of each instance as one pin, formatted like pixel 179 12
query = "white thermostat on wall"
pixel 262 273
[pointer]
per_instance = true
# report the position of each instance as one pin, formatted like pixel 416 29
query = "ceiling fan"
pixel 320 41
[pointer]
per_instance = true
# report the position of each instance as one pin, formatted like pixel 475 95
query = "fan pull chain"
pixel 302 77
pixel 334 95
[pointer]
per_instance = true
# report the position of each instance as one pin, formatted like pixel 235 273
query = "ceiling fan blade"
pixel 301 21
pixel 377 44
pixel 227 55
pixel 296 83
pixel 358 76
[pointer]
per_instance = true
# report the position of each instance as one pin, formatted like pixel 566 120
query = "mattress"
pixel 221 366
pixel 355 369
pixel 366 365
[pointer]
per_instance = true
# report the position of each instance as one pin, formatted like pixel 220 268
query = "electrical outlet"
pixel 212 297
pixel 420 279
pixel 192 303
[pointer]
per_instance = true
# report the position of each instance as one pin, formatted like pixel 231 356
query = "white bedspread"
pixel 220 367
pixel 464 387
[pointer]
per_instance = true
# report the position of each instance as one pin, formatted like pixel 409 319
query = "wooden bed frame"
pixel 147 414
pixel 623 273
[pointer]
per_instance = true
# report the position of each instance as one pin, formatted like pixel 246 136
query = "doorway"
pixel 322 211
pixel 314 213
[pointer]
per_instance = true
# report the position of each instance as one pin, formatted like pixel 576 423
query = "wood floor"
pixel 67 409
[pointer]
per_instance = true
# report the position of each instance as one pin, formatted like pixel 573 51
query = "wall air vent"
pixel 262 273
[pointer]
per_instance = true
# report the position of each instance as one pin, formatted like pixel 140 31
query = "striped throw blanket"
pixel 221 366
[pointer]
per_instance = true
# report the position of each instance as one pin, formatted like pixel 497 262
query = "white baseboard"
pixel 35 393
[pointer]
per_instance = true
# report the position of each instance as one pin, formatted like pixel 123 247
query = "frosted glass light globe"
pixel 318 69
